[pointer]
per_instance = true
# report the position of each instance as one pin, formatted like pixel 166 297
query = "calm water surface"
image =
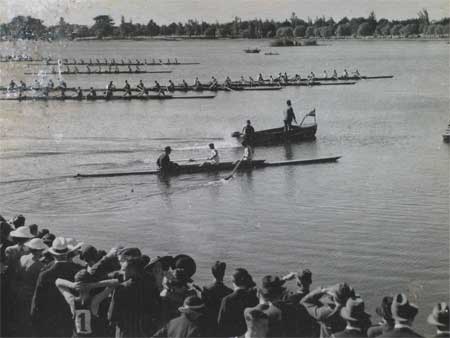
pixel 378 219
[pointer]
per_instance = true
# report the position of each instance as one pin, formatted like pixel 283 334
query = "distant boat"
pixel 252 51
pixel 271 53
pixel 446 135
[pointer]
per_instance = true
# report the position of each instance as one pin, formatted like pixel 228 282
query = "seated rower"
pixel 74 61
pixel 248 151
pixel 243 80
pixel 153 62
pixel 63 92
pixel 197 82
pixel 159 89
pixel 138 70
pixel 90 61
pixel 109 93
pixel 92 93
pixel 81 62
pixel 129 69
pixel 117 70
pixel 356 73
pixel 252 81
pixel 298 77
pixel 213 159
pixel 164 163
pixel 23 85
pixel 176 61
pixel 98 61
pixel 286 77
pixel 185 84
pixel 260 78
pixel 313 76
pixel 171 86
pixel 50 84
pixel 88 69
pixel 129 61
pixel 228 81
pixel 76 69
pixel 271 79
pixel 335 75
pixel 79 94
pixel 345 74
pixel 105 61
pixel 141 88
pixel 53 71
pixel 145 62
pixel 110 68
pixel 160 61
pixel 213 84
pixel 62 84
pixel 110 86
pixel 138 62
pixel 127 89
pixel 168 61
pixel 122 61
pixel 113 61
pixel 12 85
pixel 325 74
pixel 36 85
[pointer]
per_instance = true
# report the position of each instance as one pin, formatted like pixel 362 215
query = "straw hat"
pixel 62 246
pixel 36 244
pixel 22 232
pixel 192 303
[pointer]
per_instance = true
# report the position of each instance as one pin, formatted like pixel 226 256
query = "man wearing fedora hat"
pixel 30 266
pixel 439 317
pixel 387 322
pixel 403 313
pixel 231 321
pixel 191 323
pixel 357 319
pixel 51 316
pixel 328 313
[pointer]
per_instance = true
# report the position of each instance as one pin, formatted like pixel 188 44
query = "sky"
pixel 167 11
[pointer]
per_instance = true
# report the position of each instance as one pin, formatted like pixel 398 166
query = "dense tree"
pixel 300 31
pixel 103 26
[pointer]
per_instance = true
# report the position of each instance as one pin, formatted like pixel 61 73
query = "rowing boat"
pixel 252 51
pixel 105 98
pixel 93 72
pixel 279 136
pixel 121 64
pixel 215 168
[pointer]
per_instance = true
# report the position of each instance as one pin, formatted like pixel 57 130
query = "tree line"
pixel 22 27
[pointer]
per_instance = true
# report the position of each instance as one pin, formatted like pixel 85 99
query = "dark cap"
pixel 305 277
pixel 272 286
pixel 48 239
pixel 211 145
pixel 402 309
pixel 242 278
pixel 384 310
pixel 288 102
pixel 18 221
pixel 186 263
pixel 89 253
pixel 168 148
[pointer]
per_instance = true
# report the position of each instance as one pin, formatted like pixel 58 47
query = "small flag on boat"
pixel 312 113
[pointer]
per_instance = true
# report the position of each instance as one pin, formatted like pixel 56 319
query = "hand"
pixel 289 276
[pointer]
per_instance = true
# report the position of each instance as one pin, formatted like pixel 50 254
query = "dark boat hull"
pixel 224 166
pixel 279 136
pixel 104 98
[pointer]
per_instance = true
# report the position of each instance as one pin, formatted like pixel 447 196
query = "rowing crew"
pixel 113 62
pixel 166 166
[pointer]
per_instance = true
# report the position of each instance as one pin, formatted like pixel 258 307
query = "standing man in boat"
pixel 289 116
pixel 249 133
pixel 164 163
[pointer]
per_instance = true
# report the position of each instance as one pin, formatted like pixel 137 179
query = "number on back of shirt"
pixel 83 321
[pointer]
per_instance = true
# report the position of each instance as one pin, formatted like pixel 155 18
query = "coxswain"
pixel 92 93
pixel 50 84
pixel 325 74
pixel 79 93
pixel 12 85
pixel 164 163
pixel 260 78
pixel 141 88
pixel 171 86
pixel 248 151
pixel 127 88
pixel 248 133
pixel 214 156
pixel 289 116
pixel 345 74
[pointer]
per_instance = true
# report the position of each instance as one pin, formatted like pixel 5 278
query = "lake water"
pixel 378 219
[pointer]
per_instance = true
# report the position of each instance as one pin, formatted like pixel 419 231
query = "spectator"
pixel 403 313
pixel 18 221
pixel 304 281
pixel 231 321
pixel 50 313
pixel 387 322
pixel 357 319
pixel 192 322
pixel 257 323
pixel 328 314
pixel 439 317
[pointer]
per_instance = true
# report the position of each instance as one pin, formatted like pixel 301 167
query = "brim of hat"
pixel 183 309
pixel 69 250
pixel 346 315
pixel 44 247
pixel 432 320
pixel 20 235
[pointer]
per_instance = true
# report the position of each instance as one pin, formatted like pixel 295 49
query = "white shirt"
pixel 248 154
pixel 214 156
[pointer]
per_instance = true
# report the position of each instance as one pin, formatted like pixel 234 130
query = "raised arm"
pixel 314 307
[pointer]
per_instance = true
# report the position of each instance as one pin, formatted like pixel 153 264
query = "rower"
pixel 356 73
pixel 88 69
pixel 117 70
pixel 141 88
pixel 12 85
pixel 248 151
pixel 110 68
pixel 81 61
pixel 92 93
pixel 168 61
pixel 79 93
pixel 63 92
pixel 50 84
pixel 129 69
pixel 213 159
pixel 62 84
pixel 138 62
pixel 98 61
pixel 197 82
pixel 159 89
pixel 106 61
pixel 153 61
pixel 129 61
pixel 164 163
pixel 113 61
pixel 345 74
pixel 228 81
pixel 53 71
pixel 335 75
pixel 289 116
pixel 260 78
pixel 90 61
pixel 171 86
pixel 325 74
pixel 109 92
pixel 160 61
pixel 36 85
pixel 23 85
pixel 286 77
pixel 145 62
pixel 110 86
pixel 176 61
pixel 127 88
pixel 213 84
pixel 74 61
pixel 185 85
pixel 252 81
pixel 76 69
pixel 243 80
pixel 298 77
pixel 271 80
pixel 137 69
pixel 123 62
pixel 248 133
pixel 313 76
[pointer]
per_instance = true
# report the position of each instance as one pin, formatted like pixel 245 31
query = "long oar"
pixel 234 169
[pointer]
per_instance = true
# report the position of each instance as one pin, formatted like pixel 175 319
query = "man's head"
pixel 304 279
pixel 272 288
pixel 218 270
pixel 242 279
pixel 384 310
pixel 403 311
pixel 288 102
pixel 354 313
pixel 211 146
pixel 89 254
pixel 248 122
pixel 340 293
pixel 440 317
pixel 168 150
